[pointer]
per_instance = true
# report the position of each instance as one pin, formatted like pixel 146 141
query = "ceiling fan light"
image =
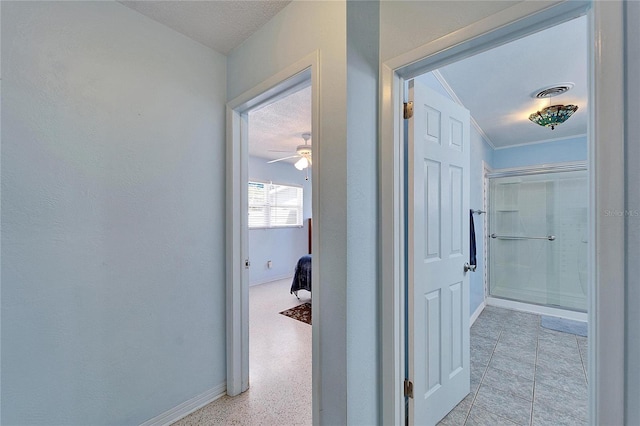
pixel 301 164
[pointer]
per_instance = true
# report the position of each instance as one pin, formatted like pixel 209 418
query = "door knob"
pixel 468 267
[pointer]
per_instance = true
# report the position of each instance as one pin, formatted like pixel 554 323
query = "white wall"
pixel 282 246
pixel 113 215
pixel 362 219
pixel 298 30
pixel 406 25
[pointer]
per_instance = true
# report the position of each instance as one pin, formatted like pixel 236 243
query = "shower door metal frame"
pixel 573 166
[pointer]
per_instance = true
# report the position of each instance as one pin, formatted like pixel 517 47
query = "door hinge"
pixel 408 388
pixel 407 110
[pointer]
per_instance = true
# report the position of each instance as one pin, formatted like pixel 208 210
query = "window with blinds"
pixel 274 206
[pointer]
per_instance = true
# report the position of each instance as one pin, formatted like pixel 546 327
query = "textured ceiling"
pixel 496 86
pixel 220 25
pixel 279 126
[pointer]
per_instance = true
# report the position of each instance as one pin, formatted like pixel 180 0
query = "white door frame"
pixel 237 295
pixel 606 189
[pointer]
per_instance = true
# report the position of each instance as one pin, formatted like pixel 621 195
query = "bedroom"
pixel 279 235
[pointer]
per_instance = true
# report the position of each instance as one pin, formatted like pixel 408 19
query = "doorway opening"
pixel 439 54
pixel 269 215
pixel 279 222
pixel 531 228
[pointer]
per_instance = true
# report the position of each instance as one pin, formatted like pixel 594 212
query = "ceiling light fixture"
pixel 553 115
pixel 302 152
pixel 302 163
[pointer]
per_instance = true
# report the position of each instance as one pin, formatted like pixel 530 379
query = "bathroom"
pixel 529 197
pixel 527 179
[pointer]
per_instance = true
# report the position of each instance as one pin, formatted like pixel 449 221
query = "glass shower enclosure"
pixel 537 248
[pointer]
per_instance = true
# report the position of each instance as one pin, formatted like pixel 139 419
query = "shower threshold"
pixel 536 309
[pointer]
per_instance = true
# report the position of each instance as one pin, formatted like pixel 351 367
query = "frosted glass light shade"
pixel 302 163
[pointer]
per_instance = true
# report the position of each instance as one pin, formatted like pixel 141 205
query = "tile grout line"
pixel 539 333
pixel 500 335
pixel 535 368
pixel 475 395
pixel 584 368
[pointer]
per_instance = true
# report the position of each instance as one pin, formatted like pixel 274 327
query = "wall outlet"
pixel 269 264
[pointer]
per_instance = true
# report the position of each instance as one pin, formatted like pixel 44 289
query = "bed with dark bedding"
pixel 302 275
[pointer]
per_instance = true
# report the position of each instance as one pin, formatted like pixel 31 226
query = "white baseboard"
pixel 476 314
pixel 537 309
pixel 187 407
pixel 272 279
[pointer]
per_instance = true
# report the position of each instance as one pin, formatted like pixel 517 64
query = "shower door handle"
pixel 468 267
pixel 517 237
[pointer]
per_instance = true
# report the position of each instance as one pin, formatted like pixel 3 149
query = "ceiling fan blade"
pixel 280 159
pixel 280 150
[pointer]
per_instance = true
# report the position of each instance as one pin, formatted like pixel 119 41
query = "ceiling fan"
pixel 302 151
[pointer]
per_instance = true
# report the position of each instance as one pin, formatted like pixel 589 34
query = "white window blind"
pixel 273 205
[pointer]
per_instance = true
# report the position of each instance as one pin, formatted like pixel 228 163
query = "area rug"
pixel 565 325
pixel 301 313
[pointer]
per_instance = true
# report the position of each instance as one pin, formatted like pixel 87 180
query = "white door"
pixel 438 248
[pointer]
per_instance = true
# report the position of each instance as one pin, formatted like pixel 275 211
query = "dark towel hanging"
pixel 472 240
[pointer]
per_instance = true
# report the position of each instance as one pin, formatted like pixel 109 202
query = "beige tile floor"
pixel 280 366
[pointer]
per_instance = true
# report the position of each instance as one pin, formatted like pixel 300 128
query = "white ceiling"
pixel 495 86
pixel 220 25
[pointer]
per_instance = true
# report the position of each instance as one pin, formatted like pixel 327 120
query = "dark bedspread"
pixel 302 276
